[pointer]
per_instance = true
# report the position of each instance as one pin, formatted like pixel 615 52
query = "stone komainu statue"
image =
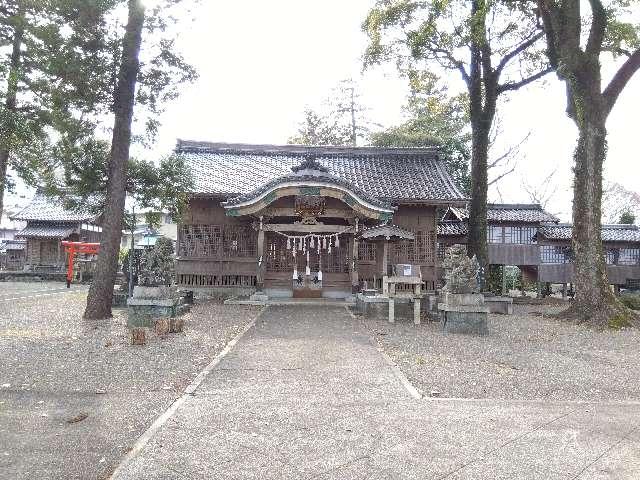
pixel 461 272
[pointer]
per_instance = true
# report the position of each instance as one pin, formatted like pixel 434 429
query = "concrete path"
pixel 306 394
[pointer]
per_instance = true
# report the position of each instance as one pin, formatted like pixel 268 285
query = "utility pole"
pixel 133 228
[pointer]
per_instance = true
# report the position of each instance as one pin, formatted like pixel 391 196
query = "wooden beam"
pixel 290 212
pixel 304 229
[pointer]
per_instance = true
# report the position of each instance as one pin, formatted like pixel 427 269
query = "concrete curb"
pixel 173 408
pixel 413 391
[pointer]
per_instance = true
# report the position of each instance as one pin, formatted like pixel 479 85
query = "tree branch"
pixel 525 81
pixel 501 176
pixel 516 51
pixel 598 26
pixel 620 80
pixel 549 32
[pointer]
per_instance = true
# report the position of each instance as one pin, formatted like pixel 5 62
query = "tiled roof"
pixel 510 212
pixel 387 231
pixel 402 174
pixel 610 233
pixel 44 230
pixel 49 209
pixel 452 228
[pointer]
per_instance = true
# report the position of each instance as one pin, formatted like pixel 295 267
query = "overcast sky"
pixel 261 62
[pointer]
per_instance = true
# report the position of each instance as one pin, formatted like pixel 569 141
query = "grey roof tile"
pixel 610 233
pixel 401 174
pixel 452 228
pixel 46 230
pixel 43 208
pixel 510 212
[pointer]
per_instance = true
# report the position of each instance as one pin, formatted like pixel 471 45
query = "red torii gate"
pixel 77 247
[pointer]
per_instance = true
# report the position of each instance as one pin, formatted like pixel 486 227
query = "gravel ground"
pixel 56 368
pixel 527 355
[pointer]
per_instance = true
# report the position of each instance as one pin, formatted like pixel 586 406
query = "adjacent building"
pixel 526 236
pixel 48 223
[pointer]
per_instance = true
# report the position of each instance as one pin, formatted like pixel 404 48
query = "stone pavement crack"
pixel 508 442
pixel 595 460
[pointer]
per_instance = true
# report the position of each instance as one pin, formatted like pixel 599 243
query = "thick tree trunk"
pixel 8 125
pixel 594 300
pixel 477 237
pixel 101 291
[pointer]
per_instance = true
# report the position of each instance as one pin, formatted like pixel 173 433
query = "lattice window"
pixel 217 240
pixel 629 256
pixel 367 251
pixel 338 260
pixel 555 254
pixel 200 240
pixel 279 259
pixel 421 250
pixel 512 234
pixel 239 241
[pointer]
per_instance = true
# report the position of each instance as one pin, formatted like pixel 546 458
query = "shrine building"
pixel 309 221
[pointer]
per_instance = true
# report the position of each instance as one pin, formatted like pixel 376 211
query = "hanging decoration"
pixel 306 244
pixel 312 241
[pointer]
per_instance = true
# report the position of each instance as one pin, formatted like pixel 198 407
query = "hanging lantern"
pixel 337 241
pixel 288 243
pixel 313 242
pixel 308 269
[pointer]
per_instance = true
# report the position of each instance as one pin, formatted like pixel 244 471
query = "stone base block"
pixel 465 322
pixel 456 299
pixel 145 312
pixel 259 297
pixel 503 305
pixel 162 292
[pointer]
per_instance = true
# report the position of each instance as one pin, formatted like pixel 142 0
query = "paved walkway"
pixel 305 394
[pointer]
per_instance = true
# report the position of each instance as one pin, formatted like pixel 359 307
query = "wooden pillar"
pixel 416 311
pixel 262 261
pixel 385 257
pixel 354 265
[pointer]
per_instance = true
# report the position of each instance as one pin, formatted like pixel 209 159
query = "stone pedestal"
pixel 464 313
pixel 151 303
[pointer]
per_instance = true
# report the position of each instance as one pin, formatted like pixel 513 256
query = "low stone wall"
pixel 9 276
pixel 502 305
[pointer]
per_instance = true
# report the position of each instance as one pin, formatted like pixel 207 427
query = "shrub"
pixel 631 300
pixel 156 264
